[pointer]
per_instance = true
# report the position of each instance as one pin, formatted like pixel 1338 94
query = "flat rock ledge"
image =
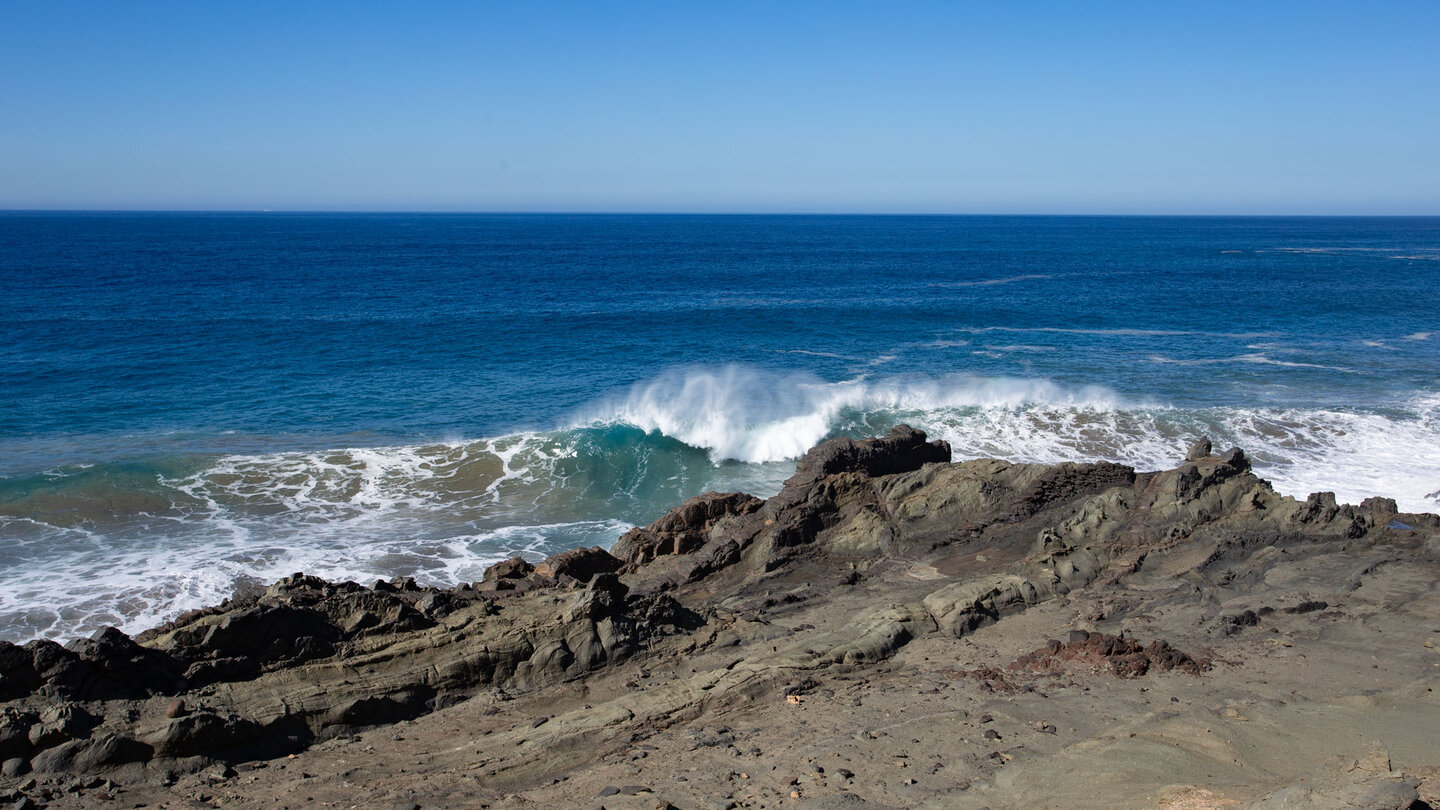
pixel 872 548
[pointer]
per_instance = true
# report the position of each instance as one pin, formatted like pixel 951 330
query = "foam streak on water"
pixel 195 403
pixel 442 512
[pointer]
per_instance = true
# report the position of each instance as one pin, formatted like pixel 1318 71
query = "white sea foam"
pixel 749 415
pixel 1256 358
pixel 1122 332
pixel 1021 347
pixel 1353 454
pixel 441 512
pixel 991 282
pixel 745 414
pixel 141 586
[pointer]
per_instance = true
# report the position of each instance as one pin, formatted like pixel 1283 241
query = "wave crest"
pixel 742 413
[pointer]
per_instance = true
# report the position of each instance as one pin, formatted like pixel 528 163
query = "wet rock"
pixel 1200 449
pixel 1195 477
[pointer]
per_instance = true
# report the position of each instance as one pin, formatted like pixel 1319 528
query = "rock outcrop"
pixel 942 549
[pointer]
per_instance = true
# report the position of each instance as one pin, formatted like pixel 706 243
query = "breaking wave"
pixel 135 543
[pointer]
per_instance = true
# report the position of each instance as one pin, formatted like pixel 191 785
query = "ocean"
pixel 195 404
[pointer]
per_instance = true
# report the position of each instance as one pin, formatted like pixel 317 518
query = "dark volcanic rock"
pixel 903 449
pixel 17 671
pixel 219 670
pixel 944 547
pixel 60 723
pixel 126 669
pixel 578 563
pixel 267 634
pixel 684 529
pixel 15 727
pixel 204 734
pixel 513 568
pixel 1200 449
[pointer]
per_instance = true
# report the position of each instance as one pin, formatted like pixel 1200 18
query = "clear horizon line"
pixel 642 212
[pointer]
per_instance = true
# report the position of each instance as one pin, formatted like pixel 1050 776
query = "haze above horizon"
pixel 1109 108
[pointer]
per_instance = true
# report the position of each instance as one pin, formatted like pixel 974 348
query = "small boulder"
pixel 513 568
pixel 14 767
pixel 1199 450
pixel 579 563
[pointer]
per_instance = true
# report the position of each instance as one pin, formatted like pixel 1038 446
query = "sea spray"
pixel 192 403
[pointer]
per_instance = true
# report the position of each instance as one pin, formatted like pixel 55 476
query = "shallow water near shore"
pixel 196 403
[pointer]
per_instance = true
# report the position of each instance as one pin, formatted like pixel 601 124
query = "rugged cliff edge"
pixel 890 630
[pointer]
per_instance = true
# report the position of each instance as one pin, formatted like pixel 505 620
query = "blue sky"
pixel 1208 107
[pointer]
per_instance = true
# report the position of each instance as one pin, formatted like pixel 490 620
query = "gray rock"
pixel 1198 450
pixel 14 767
pixel 88 756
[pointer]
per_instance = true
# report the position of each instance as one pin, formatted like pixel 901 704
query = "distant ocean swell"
pixel 133 543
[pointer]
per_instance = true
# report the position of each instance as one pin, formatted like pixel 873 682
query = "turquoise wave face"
pixel 192 403
pixel 130 543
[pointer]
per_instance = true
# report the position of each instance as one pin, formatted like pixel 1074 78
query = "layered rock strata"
pixel 869 547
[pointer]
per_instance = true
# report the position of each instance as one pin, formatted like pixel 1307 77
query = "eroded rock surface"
pixel 875 550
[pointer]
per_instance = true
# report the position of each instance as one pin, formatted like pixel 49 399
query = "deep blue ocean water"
pixel 195 402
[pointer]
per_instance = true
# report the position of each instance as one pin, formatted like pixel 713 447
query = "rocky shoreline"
pixel 893 629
